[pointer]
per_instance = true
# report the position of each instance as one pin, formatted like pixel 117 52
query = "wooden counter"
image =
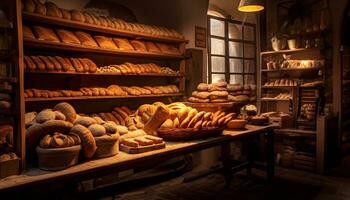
pixel 95 168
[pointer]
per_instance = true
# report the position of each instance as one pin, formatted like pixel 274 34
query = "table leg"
pixel 270 157
pixel 225 158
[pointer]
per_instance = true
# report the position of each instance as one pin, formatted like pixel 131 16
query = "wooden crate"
pixel 282 121
pixel 9 167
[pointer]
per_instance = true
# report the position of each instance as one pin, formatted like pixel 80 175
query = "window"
pixel 232 51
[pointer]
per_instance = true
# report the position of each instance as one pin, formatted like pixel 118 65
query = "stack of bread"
pixel 58 63
pixel 308 111
pixel 281 82
pixel 138 142
pixel 130 68
pixel 5 101
pixel 241 93
pixel 84 39
pixel 52 10
pixel 112 90
pixel 215 92
pixel 6 143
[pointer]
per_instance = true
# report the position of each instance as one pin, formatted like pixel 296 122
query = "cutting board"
pixel 141 149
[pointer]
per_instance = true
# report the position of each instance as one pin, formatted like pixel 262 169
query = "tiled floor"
pixel 289 184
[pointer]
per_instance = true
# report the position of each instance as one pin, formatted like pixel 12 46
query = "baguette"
pixel 55 62
pixel 105 42
pixel 43 33
pixel 48 64
pixel 86 39
pixel 64 64
pixel 67 36
pixel 30 63
pixel 53 10
pixel 38 63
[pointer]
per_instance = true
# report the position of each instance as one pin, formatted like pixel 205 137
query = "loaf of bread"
pixel 55 62
pixel 53 10
pixel 66 14
pixel 67 36
pixel 43 33
pixel 68 110
pixel 123 44
pixel 27 32
pixel 39 8
pixel 168 49
pixel 105 42
pixel 151 47
pixel 29 63
pixel 29 6
pixel 48 64
pixel 86 39
pixel 160 115
pixel 87 140
pixel 138 45
pixel 88 18
pixel 77 16
pixel 38 63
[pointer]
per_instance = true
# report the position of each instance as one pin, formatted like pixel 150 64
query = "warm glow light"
pixel 250 6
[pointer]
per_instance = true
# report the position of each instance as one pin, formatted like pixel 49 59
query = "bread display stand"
pixel 141 149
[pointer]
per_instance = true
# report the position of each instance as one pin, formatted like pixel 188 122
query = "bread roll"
pixel 43 33
pixel 105 42
pixel 96 21
pixel 48 64
pixel 30 63
pixel 63 63
pixel 70 65
pixel 27 32
pixel 85 64
pixel 29 6
pixel 92 66
pixel 67 36
pixel 103 21
pixel 197 100
pixel 57 64
pixel 87 140
pixel 86 39
pixel 45 115
pixel 77 65
pixel 38 63
pixel 88 18
pixel 123 44
pixel 39 8
pixel 66 14
pixel 53 10
pixel 77 16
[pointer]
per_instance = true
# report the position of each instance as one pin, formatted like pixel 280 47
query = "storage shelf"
pixel 57 46
pixel 291 69
pixel 33 17
pixel 99 97
pixel 273 99
pixel 102 74
pixel 290 51
pixel 277 87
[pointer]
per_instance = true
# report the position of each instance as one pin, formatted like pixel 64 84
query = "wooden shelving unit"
pixel 100 74
pixel 100 97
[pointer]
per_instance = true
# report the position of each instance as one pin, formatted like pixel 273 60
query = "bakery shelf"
pixel 290 51
pixel 102 74
pixel 273 99
pixel 291 69
pixel 47 45
pixel 33 17
pixel 100 97
pixel 277 87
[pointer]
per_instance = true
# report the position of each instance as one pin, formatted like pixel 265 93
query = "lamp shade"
pixel 250 5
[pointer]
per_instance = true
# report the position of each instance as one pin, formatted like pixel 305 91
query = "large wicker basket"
pixel 107 146
pixel 55 159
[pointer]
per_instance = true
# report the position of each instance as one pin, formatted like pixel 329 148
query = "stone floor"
pixel 289 184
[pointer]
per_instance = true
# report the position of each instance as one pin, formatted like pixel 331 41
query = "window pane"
pixel 249 66
pixel 235 49
pixel 217 46
pixel 234 79
pixel 235 31
pixel 249 33
pixel 236 66
pixel 217 27
pixel 217 77
pixel 249 51
pixel 249 79
pixel 217 64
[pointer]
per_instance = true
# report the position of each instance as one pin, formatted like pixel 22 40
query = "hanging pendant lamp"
pixel 250 5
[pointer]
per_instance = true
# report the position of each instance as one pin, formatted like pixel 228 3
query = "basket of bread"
pixel 177 121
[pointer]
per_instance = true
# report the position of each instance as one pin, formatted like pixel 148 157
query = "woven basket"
pixel 55 159
pixel 107 146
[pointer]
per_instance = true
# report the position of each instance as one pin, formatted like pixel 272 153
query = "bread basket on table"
pixel 107 145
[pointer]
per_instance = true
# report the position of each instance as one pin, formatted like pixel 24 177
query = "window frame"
pixel 227 57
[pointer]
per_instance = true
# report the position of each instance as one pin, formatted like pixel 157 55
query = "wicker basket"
pixel 187 133
pixel 107 146
pixel 55 159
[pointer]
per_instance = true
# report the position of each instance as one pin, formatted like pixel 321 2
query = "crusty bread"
pixel 123 44
pixel 67 36
pixel 105 42
pixel 29 63
pixel 86 39
pixel 168 48
pixel 63 63
pixel 27 32
pixel 38 63
pixel 43 33
pixel 77 16
pixel 151 47
pixel 66 14
pixel 39 8
pixel 29 6
pixel 53 10
pixel 138 45
pixel 87 140
pixel 48 64
pixel 77 65
pixel 55 62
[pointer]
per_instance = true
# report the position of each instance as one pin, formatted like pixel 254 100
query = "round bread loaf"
pixel 45 115
pixel 97 130
pixel 67 110
pixel 85 121
pixel 202 87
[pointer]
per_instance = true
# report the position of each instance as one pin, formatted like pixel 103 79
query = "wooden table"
pixel 34 178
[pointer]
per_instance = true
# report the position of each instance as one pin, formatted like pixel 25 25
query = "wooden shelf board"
pixel 101 74
pixel 291 69
pixel 289 51
pixel 99 97
pixel 273 99
pixel 33 17
pixel 278 87
pixel 59 46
